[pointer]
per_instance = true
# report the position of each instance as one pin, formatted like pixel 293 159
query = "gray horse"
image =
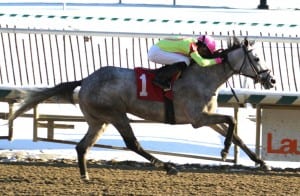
pixel 109 93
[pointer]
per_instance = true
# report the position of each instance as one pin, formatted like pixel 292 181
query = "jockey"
pixel 176 53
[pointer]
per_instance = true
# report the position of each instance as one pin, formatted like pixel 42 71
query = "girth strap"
pixel 169 111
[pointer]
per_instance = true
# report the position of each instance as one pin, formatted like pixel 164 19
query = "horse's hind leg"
pixel 221 128
pixel 125 130
pixel 90 138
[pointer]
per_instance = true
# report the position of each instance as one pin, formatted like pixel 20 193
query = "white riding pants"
pixel 159 56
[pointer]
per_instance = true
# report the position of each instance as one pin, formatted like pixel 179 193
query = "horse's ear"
pixel 248 43
pixel 236 41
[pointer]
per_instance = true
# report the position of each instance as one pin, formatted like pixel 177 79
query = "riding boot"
pixel 164 75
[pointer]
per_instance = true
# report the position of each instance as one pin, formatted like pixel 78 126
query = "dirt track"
pixel 131 178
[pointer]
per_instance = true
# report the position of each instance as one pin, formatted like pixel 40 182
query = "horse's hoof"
pixel 172 171
pixel 265 167
pixel 85 178
pixel 224 155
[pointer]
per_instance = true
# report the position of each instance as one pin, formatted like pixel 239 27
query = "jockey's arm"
pixel 203 62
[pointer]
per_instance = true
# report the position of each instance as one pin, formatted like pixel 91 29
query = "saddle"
pixel 147 91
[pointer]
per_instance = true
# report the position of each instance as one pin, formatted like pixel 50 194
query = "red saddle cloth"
pixel 146 90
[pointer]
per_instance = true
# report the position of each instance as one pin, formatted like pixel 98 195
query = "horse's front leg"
pixel 228 139
pixel 222 129
pixel 206 119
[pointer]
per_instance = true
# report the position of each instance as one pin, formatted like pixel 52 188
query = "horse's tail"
pixel 63 91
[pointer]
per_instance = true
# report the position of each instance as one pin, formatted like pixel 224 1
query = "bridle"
pixel 258 73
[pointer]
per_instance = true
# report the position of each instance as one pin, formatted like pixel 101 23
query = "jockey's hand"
pixel 219 60
pixel 224 58
pixel 193 48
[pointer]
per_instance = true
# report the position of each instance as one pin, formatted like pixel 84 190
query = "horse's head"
pixel 244 61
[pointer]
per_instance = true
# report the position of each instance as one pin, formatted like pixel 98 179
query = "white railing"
pixel 46 57
pixel 64 4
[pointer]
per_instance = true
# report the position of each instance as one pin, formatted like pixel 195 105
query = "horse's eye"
pixel 256 59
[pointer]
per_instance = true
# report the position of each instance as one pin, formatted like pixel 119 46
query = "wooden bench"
pixel 52 122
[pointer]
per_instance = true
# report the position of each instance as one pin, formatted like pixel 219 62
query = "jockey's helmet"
pixel 208 41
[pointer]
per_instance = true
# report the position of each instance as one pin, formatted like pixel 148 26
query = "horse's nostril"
pixel 273 81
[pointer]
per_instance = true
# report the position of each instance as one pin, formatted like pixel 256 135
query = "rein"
pixel 224 53
pixel 252 64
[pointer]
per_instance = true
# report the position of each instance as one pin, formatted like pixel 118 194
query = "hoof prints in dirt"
pixel 61 177
pixel 138 165
pixel 148 166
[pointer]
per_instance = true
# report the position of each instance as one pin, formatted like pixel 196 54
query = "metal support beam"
pixel 236 148
pixel 10 122
pixel 258 131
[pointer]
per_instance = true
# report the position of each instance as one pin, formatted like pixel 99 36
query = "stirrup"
pixel 167 89
pixel 163 85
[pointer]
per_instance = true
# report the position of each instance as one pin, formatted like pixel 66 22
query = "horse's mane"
pixel 232 44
